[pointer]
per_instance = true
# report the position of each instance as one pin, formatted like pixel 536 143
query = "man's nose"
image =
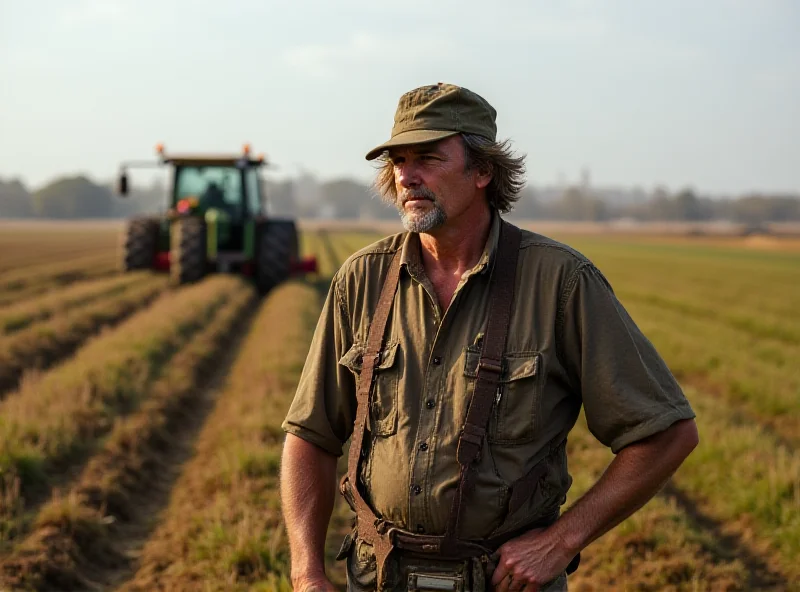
pixel 407 175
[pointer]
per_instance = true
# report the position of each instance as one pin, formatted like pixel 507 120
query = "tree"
pixel 74 197
pixel 687 206
pixel 15 201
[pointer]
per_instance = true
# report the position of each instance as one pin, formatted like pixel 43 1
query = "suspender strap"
pixel 376 531
pixel 370 528
pixel 501 296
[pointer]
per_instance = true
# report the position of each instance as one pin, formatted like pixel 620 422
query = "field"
pixel 140 430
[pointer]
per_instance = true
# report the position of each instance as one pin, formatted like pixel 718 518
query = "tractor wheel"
pixel 139 244
pixel 277 250
pixel 187 250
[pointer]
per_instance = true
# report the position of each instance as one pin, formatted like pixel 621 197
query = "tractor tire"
pixel 187 250
pixel 140 243
pixel 276 251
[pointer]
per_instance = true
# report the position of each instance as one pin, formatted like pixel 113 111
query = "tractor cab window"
pixel 217 187
pixel 253 191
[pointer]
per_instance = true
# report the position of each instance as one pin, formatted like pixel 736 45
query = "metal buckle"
pixel 435 582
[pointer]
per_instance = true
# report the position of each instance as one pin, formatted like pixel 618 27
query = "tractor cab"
pixel 215 222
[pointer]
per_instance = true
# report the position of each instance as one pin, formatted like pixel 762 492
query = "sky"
pixel 642 93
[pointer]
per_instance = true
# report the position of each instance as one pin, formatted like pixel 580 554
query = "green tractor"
pixel 215 223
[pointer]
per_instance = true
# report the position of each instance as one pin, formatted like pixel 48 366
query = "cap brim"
pixel 408 138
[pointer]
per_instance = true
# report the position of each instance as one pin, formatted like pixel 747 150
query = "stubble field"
pixel 140 425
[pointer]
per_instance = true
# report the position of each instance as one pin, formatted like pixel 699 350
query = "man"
pixel 469 347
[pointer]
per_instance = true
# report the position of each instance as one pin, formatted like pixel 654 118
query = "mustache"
pixel 418 193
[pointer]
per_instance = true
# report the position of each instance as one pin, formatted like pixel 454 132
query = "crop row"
pixel 56 420
pixel 23 283
pixel 223 529
pixel 78 532
pixel 19 316
pixel 41 344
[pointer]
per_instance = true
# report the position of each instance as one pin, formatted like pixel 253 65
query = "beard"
pixel 420 221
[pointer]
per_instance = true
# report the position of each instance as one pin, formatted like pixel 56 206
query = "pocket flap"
pixel 520 366
pixel 515 365
pixel 354 357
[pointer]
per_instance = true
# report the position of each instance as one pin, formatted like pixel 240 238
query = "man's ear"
pixel 483 177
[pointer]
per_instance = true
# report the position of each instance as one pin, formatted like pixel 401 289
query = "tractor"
pixel 215 222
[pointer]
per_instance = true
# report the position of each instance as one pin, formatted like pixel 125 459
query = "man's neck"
pixel 457 246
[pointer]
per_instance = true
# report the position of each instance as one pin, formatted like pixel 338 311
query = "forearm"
pixel 308 491
pixel 635 475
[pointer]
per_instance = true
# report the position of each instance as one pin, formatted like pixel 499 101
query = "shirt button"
pixel 416 489
pixel 420 529
pixel 437 360
pixel 430 404
pixel 423 447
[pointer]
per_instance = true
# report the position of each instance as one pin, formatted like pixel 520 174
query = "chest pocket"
pixel 515 411
pixel 383 401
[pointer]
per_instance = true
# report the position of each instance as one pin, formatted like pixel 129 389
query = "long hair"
pixel 507 170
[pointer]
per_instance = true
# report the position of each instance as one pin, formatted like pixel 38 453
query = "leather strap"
pixel 371 528
pixel 376 531
pixel 490 368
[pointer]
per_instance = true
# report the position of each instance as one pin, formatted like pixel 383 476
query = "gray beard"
pixel 415 222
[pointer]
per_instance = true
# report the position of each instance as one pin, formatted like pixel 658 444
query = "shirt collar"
pixel 411 258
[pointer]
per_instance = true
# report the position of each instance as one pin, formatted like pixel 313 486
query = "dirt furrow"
pixel 223 529
pixel 53 424
pixel 24 314
pixel 43 344
pixel 88 538
pixel 761 575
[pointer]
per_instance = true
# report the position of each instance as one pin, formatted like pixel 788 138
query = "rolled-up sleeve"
pixel 323 409
pixel 627 390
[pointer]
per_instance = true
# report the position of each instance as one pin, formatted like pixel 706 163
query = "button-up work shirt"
pixel 570 343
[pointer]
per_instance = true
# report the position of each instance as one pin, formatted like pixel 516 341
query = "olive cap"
pixel 432 113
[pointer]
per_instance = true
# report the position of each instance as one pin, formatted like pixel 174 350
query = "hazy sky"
pixel 643 92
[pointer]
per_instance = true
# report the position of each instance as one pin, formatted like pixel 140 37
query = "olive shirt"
pixel 570 342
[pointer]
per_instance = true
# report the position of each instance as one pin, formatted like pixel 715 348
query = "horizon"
pixel 640 94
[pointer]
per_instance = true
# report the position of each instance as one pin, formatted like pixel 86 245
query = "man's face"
pixel 432 183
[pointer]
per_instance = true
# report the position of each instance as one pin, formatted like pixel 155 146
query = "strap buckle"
pixel 490 365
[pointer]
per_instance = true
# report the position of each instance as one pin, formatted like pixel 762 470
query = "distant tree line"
pixel 80 198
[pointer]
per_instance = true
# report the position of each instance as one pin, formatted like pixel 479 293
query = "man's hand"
pixel 317 582
pixel 530 561
pixel 634 476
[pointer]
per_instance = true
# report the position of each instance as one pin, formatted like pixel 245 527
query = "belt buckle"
pixel 419 581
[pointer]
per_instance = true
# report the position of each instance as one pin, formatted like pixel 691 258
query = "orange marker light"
pixel 160 148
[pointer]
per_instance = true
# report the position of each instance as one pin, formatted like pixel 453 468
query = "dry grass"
pixel 23 314
pixel 25 280
pixel 51 422
pixel 223 528
pixel 81 532
pixel 41 344
pixel 658 548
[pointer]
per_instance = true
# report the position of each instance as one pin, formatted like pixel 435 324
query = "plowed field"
pixel 140 430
